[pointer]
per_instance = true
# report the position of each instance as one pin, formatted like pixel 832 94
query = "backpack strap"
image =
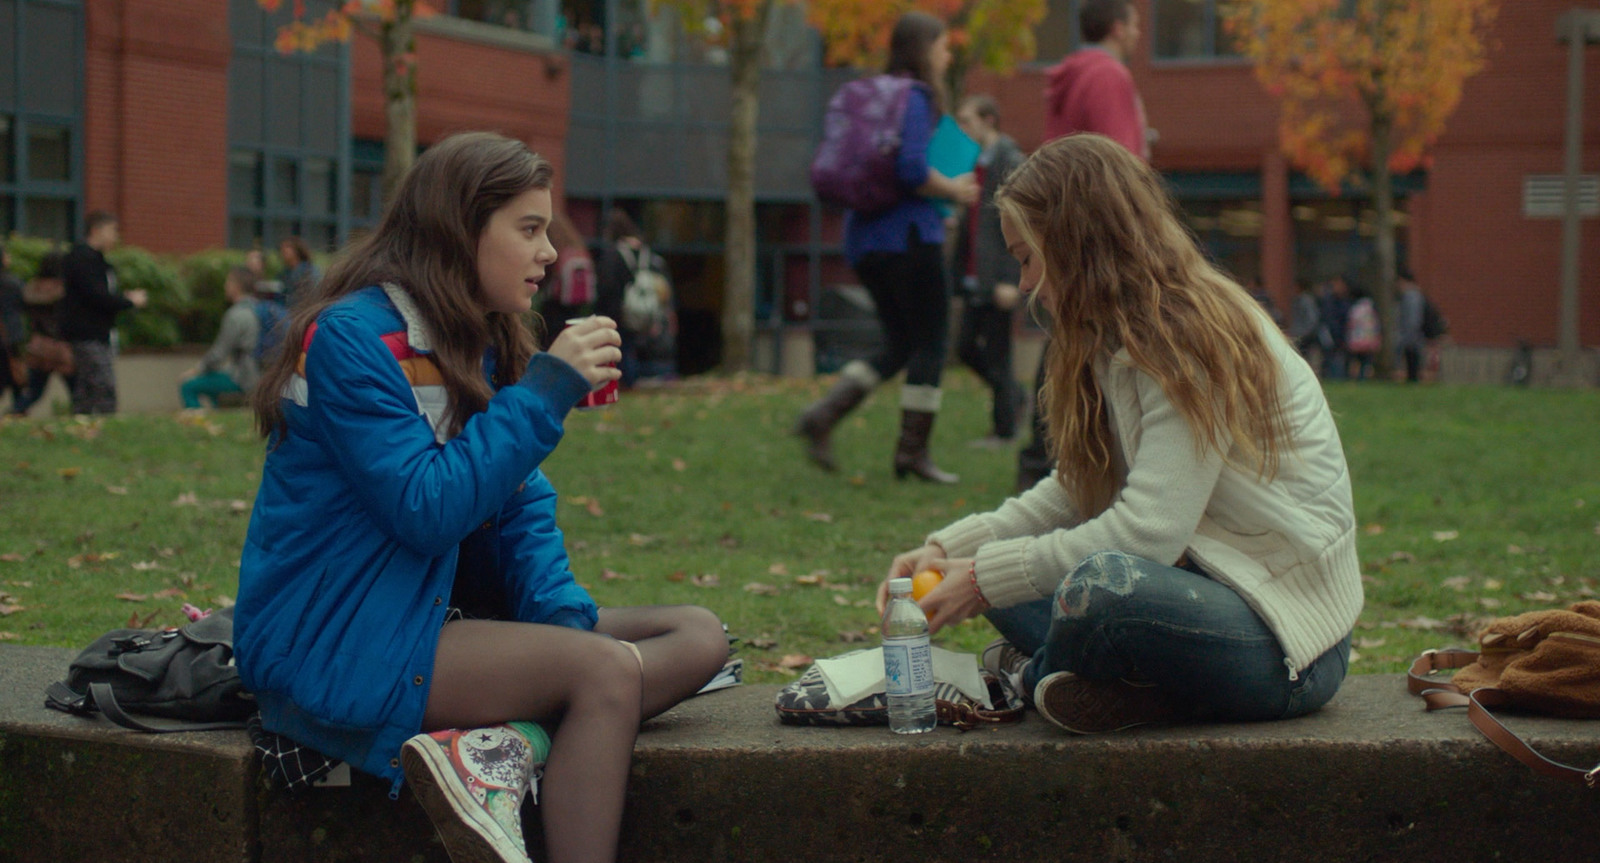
pixel 60 696
pixel 1479 702
pixel 101 697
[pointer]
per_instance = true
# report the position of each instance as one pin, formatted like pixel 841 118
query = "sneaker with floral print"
pixel 472 783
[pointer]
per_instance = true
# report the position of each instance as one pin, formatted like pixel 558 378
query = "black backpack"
pixel 1434 324
pixel 183 675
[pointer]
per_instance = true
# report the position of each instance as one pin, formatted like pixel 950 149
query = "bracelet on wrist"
pixel 972 576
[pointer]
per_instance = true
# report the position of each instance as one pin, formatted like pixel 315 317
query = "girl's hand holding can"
pixel 591 345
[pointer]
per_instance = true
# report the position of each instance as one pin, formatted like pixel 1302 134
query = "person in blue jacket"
pixel 898 255
pixel 405 601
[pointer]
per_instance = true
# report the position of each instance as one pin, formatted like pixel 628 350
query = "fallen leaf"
pixel 117 489
pixel 145 565
pixel 1370 643
pixel 593 506
pixel 188 498
pixel 1373 529
pixel 1355 656
pixel 679 464
pixel 761 589
pixel 640 539
pixel 811 579
pixel 609 575
pixel 238 506
pixel 1514 549
pixel 136 622
pixel 9 636
pixel 132 597
pixel 1445 535
pixel 166 593
pixel 820 516
pixel 861 479
pixel 777 569
pixel 166 552
pixel 69 472
pixel 840 599
pixel 12 558
pixel 708 579
pixel 1458 582
pixel 794 660
pixel 6 610
pixel 1489 602
pixel 222 601
pixel 675 576
pixel 1539 596
pixel 851 636
pixel 1423 623
pixel 1492 584
pixel 1403 557
pixel 763 642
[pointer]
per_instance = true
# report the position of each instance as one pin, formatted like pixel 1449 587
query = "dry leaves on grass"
pixel 167 593
pixel 794 660
pixel 188 498
pixel 761 589
pixel 1446 535
pixel 763 641
pixel 705 579
pixel 116 489
pixel 69 472
pixel 145 565
pixel 590 504
pixel 8 636
pixel 12 558
pixel 132 597
pixel 78 560
pixel 8 605
pixel 777 569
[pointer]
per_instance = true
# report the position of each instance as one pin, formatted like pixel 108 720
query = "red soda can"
pixel 603 396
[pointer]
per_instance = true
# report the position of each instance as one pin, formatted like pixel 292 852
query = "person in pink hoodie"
pixel 1090 90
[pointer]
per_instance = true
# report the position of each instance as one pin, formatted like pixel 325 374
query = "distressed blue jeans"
pixel 1117 615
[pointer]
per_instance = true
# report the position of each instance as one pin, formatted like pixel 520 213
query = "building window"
pixel 1058 34
pixel 288 135
pixel 1188 30
pixel 41 122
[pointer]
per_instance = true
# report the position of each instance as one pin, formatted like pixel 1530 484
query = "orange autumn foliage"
pixel 1341 67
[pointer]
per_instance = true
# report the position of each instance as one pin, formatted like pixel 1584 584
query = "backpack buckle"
pixel 129 644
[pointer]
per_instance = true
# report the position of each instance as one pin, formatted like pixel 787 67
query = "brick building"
pixel 178 115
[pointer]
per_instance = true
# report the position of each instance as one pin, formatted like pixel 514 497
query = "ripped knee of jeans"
pixel 1102 578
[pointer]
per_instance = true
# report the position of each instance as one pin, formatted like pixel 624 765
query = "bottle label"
pixel 908 665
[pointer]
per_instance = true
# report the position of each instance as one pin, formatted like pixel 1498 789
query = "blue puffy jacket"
pixel 352 547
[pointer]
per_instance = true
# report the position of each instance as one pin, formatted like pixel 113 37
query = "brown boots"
pixel 816 424
pixel 911 451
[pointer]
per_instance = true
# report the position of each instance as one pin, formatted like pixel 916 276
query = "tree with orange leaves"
pixel 389 22
pixel 1365 88
pixel 997 33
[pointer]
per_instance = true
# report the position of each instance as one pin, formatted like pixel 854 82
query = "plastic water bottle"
pixel 907 662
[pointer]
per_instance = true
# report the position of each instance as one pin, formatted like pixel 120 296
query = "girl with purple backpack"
pixel 896 252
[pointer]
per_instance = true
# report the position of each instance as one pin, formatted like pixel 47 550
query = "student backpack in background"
pixel 1361 334
pixel 1434 324
pixel 576 281
pixel 186 676
pixel 644 300
pixel 854 166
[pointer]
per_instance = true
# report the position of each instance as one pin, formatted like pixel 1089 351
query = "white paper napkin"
pixel 853 676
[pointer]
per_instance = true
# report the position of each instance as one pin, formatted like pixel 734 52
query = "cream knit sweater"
pixel 1286 544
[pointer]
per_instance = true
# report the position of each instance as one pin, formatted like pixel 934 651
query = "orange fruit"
pixel 925 581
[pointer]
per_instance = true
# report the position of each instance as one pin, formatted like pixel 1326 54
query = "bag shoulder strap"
pixel 60 696
pixel 1438 693
pixel 1479 702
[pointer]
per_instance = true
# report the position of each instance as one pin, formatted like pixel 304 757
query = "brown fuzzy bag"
pixel 1540 662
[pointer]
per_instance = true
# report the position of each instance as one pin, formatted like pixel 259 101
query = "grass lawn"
pixel 1474 502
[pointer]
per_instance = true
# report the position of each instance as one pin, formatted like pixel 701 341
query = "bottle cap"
pixel 898 586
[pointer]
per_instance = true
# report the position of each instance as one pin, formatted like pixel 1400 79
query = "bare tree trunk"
pixel 398 46
pixel 747 52
pixel 1383 195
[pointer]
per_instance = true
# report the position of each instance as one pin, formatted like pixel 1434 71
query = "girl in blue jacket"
pixel 405 602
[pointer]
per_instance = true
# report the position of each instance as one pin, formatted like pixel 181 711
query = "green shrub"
pixel 156 325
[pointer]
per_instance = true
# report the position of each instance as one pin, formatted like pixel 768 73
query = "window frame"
pixel 21 189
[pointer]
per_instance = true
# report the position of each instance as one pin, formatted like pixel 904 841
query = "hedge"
pixel 186 300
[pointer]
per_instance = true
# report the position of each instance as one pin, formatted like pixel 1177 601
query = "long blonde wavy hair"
pixel 1119 270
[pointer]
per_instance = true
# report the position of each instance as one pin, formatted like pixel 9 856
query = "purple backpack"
pixel 855 164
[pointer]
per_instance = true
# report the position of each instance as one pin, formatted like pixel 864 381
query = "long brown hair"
pixel 913 35
pixel 1121 271
pixel 427 243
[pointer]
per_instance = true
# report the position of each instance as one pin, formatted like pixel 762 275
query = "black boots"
pixel 816 424
pixel 911 451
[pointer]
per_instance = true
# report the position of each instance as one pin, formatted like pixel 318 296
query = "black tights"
pixel 594 690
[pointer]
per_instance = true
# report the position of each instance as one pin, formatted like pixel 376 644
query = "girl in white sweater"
pixel 1193 554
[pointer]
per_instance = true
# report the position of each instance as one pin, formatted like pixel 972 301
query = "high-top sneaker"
pixel 472 783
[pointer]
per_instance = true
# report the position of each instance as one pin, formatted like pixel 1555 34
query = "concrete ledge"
pixel 1372 777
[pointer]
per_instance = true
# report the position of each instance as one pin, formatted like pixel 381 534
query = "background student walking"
pixel 898 255
pixel 987 273
pixel 1091 90
pixel 88 311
